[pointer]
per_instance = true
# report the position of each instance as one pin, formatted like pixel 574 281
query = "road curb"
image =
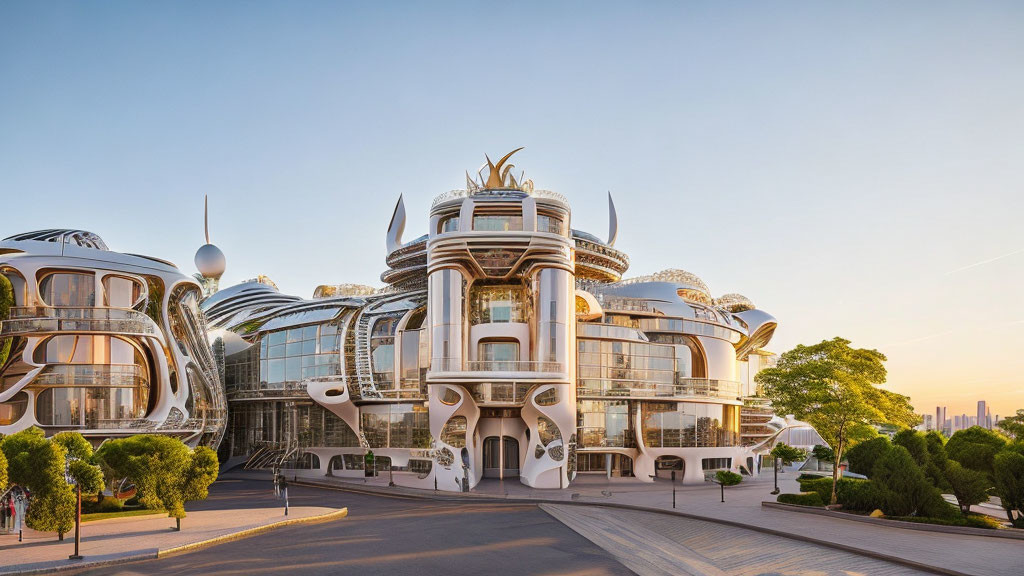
pixel 1008 533
pixel 497 499
pixel 184 548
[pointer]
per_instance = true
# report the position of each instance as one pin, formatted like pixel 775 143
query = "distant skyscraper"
pixel 982 411
pixel 956 424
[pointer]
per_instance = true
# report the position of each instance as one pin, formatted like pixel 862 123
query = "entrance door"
pixel 492 457
pixel 511 464
pixel 501 457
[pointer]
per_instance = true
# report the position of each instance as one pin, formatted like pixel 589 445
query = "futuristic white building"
pixel 506 344
pixel 103 343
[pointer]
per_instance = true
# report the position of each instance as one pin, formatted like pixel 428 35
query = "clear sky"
pixel 854 169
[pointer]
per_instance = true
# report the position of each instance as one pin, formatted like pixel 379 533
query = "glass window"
pixel 448 224
pixel 549 224
pixel 497 304
pixel 67 289
pixel 500 351
pixel 119 292
pixel 498 222
pixel 454 432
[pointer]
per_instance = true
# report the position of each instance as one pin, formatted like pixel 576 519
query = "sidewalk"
pixel 142 537
pixel 943 553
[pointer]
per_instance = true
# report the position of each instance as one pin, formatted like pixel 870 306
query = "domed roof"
pixel 210 261
pixel 735 302
pixel 676 276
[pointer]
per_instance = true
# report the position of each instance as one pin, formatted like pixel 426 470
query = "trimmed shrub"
pixel 728 478
pixel 972 521
pixel 803 499
pixel 863 456
pixel 859 495
pixel 901 482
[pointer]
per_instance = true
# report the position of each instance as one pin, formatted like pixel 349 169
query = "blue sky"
pixel 855 169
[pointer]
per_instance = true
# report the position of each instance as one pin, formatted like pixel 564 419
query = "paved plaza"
pixel 400 531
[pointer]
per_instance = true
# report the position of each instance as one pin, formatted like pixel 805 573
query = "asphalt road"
pixel 384 535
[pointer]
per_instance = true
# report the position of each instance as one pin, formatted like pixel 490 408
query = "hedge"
pixel 803 499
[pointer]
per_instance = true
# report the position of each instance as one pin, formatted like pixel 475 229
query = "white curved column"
pixel 547 465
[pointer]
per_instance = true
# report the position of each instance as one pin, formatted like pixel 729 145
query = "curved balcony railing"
pixel 683 388
pixel 92 375
pixel 500 393
pixel 458 365
pixel 42 319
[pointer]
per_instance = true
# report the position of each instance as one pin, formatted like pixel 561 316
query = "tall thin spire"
pixel 206 216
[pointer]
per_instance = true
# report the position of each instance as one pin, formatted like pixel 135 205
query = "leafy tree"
pixel 937 459
pixel 975 448
pixel 6 301
pixel 81 469
pixel 1013 425
pixel 834 388
pixel 166 473
pixel 915 443
pixel 863 456
pixel 787 454
pixel 969 486
pixel 38 464
pixel 3 471
pixel 902 485
pixel 1008 468
pixel 824 453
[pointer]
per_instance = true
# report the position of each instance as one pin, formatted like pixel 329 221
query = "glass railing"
pixel 29 319
pixel 500 393
pixel 512 366
pixel 93 375
pixel 683 388
pixel 458 365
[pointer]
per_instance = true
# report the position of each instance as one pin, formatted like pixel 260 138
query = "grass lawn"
pixel 120 514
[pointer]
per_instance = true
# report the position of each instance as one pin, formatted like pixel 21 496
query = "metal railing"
pixel 683 388
pixel 31 319
pixel 92 375
pixel 458 365
pixel 500 393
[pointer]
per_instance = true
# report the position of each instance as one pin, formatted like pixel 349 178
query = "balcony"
pixel 683 389
pixel 455 368
pixel 92 375
pixel 500 394
pixel 28 320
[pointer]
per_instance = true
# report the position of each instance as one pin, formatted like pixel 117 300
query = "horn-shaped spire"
pixel 496 178
pixel 397 226
pixel 613 221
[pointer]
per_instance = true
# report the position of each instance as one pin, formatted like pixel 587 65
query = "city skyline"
pixel 866 189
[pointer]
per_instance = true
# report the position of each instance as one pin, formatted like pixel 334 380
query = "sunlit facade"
pixel 506 344
pixel 103 343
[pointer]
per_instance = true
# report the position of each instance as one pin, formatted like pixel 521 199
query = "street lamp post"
pixel 673 489
pixel 776 466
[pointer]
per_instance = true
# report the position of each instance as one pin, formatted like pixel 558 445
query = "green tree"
pixel 1013 426
pixel 863 456
pixel 727 478
pixel 834 388
pixel 969 486
pixel 902 485
pixel 787 454
pixel 975 448
pixel 6 301
pixel 937 459
pixel 166 473
pixel 81 469
pixel 1008 467
pixel 38 464
pixel 915 443
pixel 824 454
pixel 3 471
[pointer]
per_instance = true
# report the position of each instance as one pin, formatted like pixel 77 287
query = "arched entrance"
pixel 664 466
pixel 501 457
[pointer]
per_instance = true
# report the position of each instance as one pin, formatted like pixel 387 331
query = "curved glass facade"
pixel 689 425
